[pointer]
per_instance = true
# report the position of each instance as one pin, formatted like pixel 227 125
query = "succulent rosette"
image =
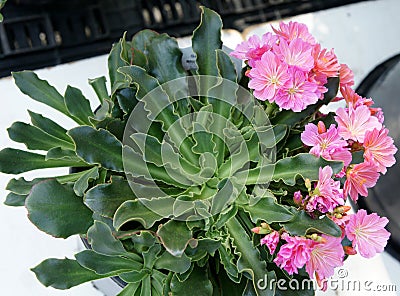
pixel 205 180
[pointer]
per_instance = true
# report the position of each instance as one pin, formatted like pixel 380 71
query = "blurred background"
pixel 68 42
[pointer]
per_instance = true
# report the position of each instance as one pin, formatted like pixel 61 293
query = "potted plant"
pixel 205 180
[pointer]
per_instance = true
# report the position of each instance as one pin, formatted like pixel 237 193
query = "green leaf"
pixel 115 61
pixel 288 169
pixel 203 247
pixel 172 263
pixel 142 39
pixel 302 223
pixel 77 105
pixel 99 86
pixel 127 99
pixel 22 187
pixel 34 138
pixel 56 210
pixel 82 184
pixel 197 283
pixel 106 265
pixel 15 200
pixel 175 236
pixel 63 273
pixel 130 290
pixel 98 147
pixel 267 209
pixel 49 126
pixel 165 58
pixel 103 242
pixel 206 39
pixel 249 257
pixel 61 153
pixel 39 90
pixel 226 67
pixel 14 161
pixel 134 210
pixel 105 199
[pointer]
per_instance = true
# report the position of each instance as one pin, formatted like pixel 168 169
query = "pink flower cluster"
pixel 289 67
pixel 359 129
pixel 321 254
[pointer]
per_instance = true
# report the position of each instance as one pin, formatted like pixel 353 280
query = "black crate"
pixel 34 36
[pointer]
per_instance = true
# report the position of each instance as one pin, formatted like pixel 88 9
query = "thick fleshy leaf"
pixel 39 90
pixel 172 263
pixel 34 138
pixel 226 67
pixel 105 199
pixel 267 209
pixel 249 257
pixel 127 99
pixel 302 223
pixel 303 165
pixel 130 290
pixel 56 210
pixel 82 184
pixel 206 40
pixel 23 187
pixel 165 58
pixel 77 105
pixel 175 236
pixel 63 273
pixel 103 242
pixel 49 126
pixel 197 282
pixel 61 153
pixel 116 59
pixel 106 265
pixel 134 210
pixel 98 147
pixel 99 86
pixel 142 39
pixel 15 200
pixel 14 161
pixel 203 247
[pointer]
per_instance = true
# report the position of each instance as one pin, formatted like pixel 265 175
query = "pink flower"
pixel 293 30
pixel 379 148
pixel 267 76
pixel 327 195
pixel 295 253
pixel 367 233
pixel 350 96
pixel 320 80
pixel 297 53
pixel 359 178
pixel 326 61
pixel 252 49
pixel 271 241
pixel 346 76
pixel 326 143
pixel 297 93
pixel 325 256
pixel 353 123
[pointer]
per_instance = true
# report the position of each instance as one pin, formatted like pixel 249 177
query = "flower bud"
pixel 308 184
pixel 298 198
pixel 321 127
pixel 349 250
